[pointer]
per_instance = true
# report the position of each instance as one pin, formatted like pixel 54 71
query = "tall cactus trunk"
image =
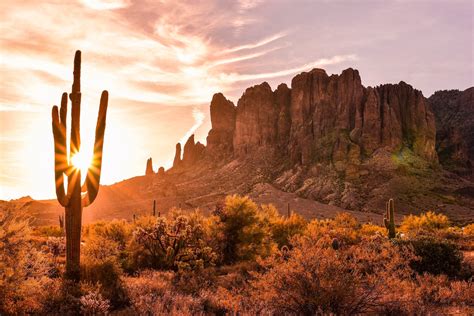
pixel 73 201
pixel 73 228
pixel 389 219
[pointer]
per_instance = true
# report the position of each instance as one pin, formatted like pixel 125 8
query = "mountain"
pixel 454 114
pixel 324 145
pixel 332 140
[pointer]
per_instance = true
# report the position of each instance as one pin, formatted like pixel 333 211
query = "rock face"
pixel 336 119
pixel 262 119
pixel 219 139
pixel 177 156
pixel 325 119
pixel 454 113
pixel 329 119
pixel 149 167
pixel 161 171
pixel 193 152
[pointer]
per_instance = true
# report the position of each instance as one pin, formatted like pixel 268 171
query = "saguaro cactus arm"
pixel 75 96
pixel 93 173
pixel 60 150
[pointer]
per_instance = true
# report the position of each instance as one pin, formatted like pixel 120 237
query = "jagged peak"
pixel 149 167
pixel 258 87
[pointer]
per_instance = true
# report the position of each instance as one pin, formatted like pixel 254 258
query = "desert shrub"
pixel 93 303
pixel 241 230
pixel 49 231
pixel 316 279
pixel 344 227
pixel 64 297
pixel 99 249
pixel 56 248
pixel 429 222
pixel 151 293
pixel 23 269
pixel 171 243
pixel 100 265
pixel 61 297
pixel 435 256
pixel 439 290
pixel 372 230
pixel 283 228
pixel 118 231
pixel 108 275
pixel 468 230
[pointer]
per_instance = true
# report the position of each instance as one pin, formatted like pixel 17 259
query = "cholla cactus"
pixel 389 219
pixel 77 197
pixel 56 246
pixel 175 244
pixel 94 304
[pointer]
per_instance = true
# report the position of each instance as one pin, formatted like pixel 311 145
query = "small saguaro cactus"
pixel 154 208
pixel 76 197
pixel 389 219
pixel 61 222
pixel 335 244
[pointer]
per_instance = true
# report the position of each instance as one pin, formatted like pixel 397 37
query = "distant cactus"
pixel 74 201
pixel 335 244
pixel 288 210
pixel 389 219
pixel 154 208
pixel 285 252
pixel 61 222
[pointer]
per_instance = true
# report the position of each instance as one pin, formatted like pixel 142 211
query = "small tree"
pixel 241 230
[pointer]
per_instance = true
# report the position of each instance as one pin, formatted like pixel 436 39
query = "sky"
pixel 162 61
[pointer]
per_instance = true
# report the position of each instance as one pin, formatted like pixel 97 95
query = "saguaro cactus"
pixel 154 208
pixel 61 222
pixel 389 220
pixel 72 200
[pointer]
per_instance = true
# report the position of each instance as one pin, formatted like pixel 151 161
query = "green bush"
pixel 436 256
pixel 241 230
pixel 282 228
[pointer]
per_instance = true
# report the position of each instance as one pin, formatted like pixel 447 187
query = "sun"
pixel 81 161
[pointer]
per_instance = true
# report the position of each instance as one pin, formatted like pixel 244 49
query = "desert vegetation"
pixel 243 258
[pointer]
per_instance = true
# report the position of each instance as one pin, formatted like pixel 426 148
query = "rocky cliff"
pixel 454 113
pixel 326 138
pixel 330 119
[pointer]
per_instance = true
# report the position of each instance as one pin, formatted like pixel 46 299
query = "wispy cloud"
pixel 258 44
pixel 234 77
pixel 198 117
